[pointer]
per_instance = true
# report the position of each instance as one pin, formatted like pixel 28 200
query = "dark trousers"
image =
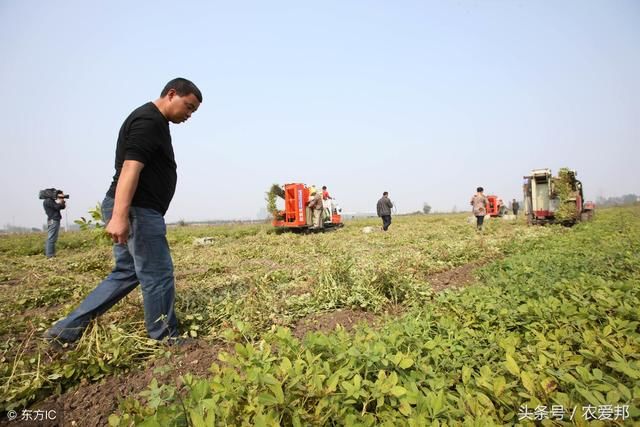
pixel 480 220
pixel 386 221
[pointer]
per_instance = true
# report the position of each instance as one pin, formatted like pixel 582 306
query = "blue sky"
pixel 426 100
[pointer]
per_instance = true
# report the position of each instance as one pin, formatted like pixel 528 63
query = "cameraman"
pixel 52 208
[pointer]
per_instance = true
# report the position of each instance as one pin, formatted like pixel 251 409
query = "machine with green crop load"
pixel 559 199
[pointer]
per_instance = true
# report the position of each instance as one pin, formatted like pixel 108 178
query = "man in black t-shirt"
pixel 133 209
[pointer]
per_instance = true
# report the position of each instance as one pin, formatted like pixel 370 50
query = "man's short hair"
pixel 183 87
pixel 324 187
pixel 479 189
pixel 386 193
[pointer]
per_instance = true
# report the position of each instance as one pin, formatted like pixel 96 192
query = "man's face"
pixel 181 107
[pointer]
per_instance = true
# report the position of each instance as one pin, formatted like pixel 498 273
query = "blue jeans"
pixel 53 227
pixel 145 259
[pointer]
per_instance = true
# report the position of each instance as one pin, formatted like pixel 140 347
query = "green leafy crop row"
pixel 554 324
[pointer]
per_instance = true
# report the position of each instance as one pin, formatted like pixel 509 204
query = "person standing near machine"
pixel 479 206
pixel 326 203
pixel 315 204
pixel 515 207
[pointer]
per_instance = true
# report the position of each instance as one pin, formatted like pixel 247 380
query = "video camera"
pixel 50 193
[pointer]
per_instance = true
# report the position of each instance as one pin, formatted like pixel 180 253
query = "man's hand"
pixel 118 229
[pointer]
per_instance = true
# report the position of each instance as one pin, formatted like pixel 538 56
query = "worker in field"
pixel 325 193
pixel 133 210
pixel 383 208
pixel 479 204
pixel 326 203
pixel 501 207
pixel 515 206
pixel 315 204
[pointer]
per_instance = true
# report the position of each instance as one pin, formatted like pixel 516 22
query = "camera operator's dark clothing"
pixel 52 209
pixel 144 137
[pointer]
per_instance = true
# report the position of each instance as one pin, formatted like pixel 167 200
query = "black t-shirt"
pixel 145 137
pixel 52 209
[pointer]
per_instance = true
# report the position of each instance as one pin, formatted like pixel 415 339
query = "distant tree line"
pixel 627 199
pixel 9 228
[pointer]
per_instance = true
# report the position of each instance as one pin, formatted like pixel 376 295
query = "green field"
pixel 515 324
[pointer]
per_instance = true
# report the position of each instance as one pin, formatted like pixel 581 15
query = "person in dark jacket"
pixel 515 206
pixel 52 208
pixel 133 209
pixel 384 210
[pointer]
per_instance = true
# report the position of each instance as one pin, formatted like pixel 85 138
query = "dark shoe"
pixel 180 341
pixel 56 342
